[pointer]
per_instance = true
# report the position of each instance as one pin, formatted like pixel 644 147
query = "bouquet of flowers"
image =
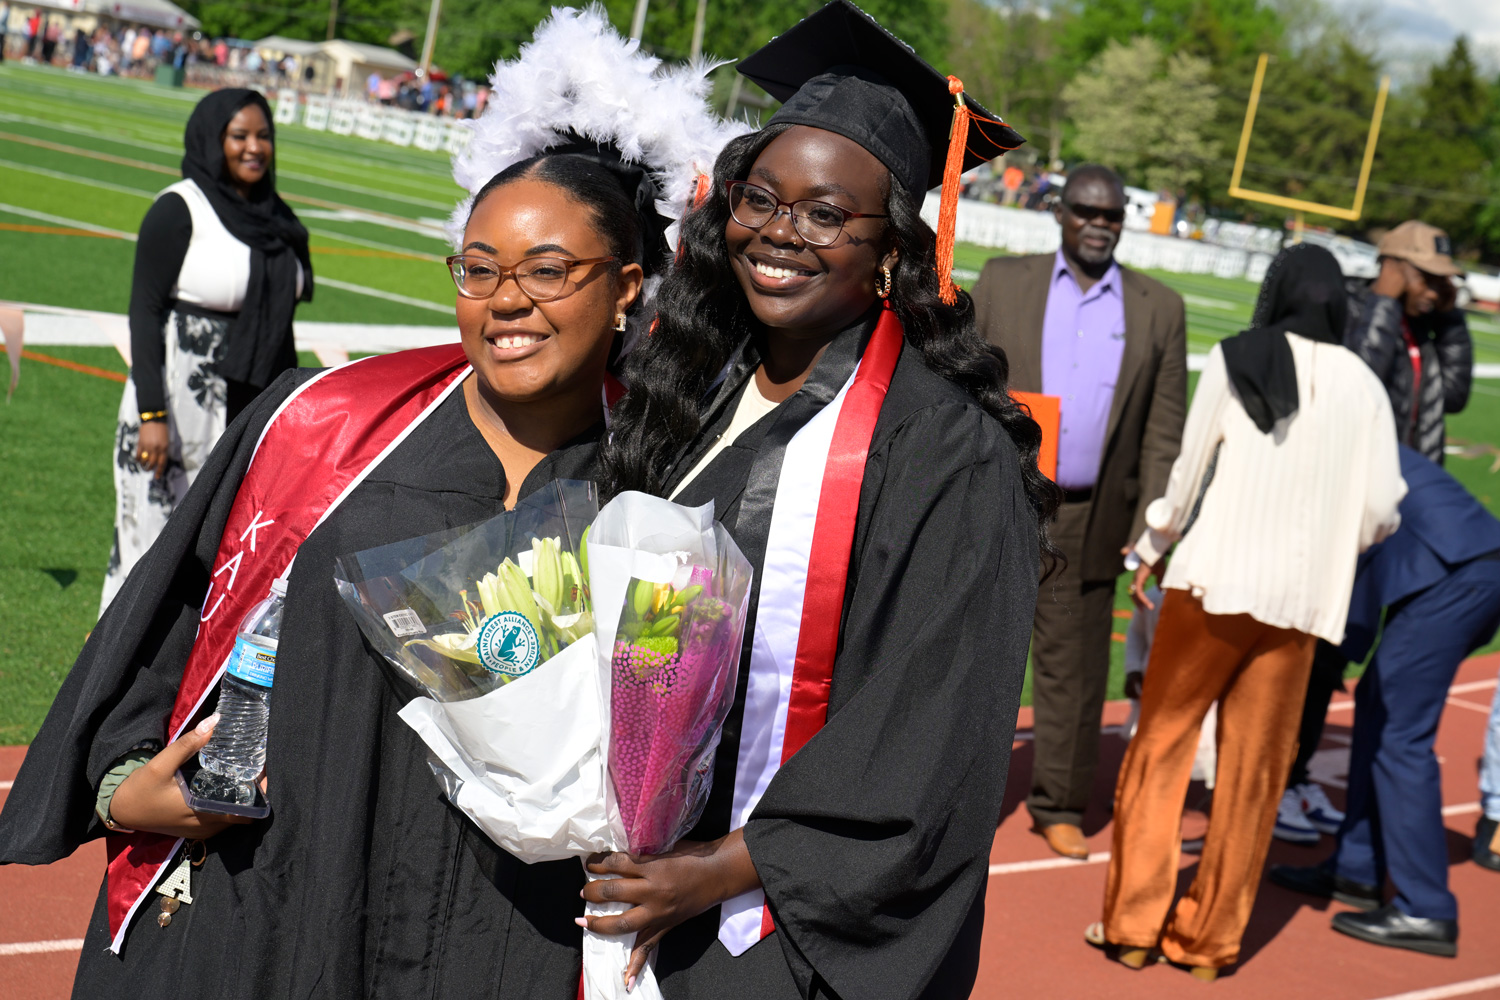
pixel 668 696
pixel 493 624
pixel 576 679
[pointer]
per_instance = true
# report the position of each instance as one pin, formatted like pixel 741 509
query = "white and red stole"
pixel 319 445
pixel 803 577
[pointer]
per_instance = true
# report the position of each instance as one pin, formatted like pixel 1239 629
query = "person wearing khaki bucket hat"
pixel 1407 328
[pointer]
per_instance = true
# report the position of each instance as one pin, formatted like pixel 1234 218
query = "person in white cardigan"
pixel 1289 455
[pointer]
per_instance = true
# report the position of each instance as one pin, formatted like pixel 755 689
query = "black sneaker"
pixel 1390 927
pixel 1320 882
pixel 1485 842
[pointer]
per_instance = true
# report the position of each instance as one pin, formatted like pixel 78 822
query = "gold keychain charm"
pixel 177 888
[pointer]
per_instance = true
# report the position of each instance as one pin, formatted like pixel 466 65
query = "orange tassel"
pixel 958 138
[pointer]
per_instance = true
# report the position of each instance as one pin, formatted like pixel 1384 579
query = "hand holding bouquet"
pixel 576 680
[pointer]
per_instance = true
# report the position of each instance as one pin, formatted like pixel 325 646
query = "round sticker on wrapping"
pixel 508 644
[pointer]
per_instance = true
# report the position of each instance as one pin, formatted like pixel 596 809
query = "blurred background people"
pixel 1111 344
pixel 220 266
pixel 1406 327
pixel 1438 582
pixel 1305 477
pixel 1487 834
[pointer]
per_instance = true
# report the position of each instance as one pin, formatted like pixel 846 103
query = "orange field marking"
pixel 19 227
pixel 71 366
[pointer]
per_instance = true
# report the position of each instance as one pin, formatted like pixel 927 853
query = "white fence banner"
pixel 315 114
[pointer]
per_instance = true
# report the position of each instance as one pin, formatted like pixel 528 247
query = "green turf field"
pixel 80 152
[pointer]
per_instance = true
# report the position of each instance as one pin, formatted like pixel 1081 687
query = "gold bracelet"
pixel 149 415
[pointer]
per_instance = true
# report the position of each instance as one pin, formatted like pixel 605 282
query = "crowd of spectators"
pixel 134 50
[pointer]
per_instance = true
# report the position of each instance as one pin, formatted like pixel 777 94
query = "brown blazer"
pixel 1150 404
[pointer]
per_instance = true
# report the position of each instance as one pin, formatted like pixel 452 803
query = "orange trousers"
pixel 1258 674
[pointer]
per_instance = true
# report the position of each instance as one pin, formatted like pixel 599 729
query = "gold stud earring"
pixel 884 288
pixel 620 322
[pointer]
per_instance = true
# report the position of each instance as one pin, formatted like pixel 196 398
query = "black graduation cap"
pixel 839 70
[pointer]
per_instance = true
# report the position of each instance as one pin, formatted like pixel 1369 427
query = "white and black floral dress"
pixel 190 280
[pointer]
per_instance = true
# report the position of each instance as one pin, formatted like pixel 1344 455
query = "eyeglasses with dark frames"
pixel 817 222
pixel 1088 213
pixel 541 279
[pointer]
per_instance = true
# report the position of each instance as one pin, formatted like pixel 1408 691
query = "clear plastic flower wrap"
pixel 577 677
pixel 462 612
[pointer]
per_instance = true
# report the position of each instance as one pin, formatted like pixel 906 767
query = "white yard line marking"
pixel 76 179
pixel 1205 302
pixel 373 245
pixel 60 220
pixel 388 296
pixel 1451 990
pixel 1048 863
pixel 40 947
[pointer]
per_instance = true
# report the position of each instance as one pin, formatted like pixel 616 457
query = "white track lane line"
pixel 1046 864
pixel 40 947
pixel 1451 990
pixel 6 785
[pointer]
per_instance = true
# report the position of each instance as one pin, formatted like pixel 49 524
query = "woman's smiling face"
pixel 247 147
pixel 809 291
pixel 524 350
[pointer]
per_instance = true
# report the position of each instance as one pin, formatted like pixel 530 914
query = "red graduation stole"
pixel 833 542
pixel 318 446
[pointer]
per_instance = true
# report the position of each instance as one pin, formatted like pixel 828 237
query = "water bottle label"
pixel 252 663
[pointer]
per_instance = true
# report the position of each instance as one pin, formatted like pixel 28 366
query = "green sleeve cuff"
pixel 123 768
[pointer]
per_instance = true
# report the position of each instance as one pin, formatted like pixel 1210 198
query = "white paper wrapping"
pixel 529 757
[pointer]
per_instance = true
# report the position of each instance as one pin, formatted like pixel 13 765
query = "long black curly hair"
pixel 702 316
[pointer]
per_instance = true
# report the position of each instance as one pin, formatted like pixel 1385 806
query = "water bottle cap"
pixel 278 586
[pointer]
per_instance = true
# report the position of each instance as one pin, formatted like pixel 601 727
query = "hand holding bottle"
pixel 149 799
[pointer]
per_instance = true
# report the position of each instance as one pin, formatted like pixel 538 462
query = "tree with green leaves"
pixel 1009 55
pixel 1144 113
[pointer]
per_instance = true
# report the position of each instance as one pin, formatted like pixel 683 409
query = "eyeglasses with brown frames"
pixel 541 279
pixel 817 222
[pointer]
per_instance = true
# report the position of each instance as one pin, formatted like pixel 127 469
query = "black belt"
pixel 1078 496
pixel 191 309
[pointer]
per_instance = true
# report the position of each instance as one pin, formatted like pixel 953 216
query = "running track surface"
pixel 1037 904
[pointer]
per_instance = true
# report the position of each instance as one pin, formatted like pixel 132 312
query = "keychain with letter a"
pixel 177 888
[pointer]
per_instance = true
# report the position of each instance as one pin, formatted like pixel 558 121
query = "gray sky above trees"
pixel 1427 24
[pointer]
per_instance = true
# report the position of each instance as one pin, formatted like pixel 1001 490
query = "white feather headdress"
pixel 578 75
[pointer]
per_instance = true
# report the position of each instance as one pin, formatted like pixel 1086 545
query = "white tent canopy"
pixel 347 56
pixel 285 46
pixel 153 13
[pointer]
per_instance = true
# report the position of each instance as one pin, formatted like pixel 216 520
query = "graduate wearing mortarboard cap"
pixel 814 374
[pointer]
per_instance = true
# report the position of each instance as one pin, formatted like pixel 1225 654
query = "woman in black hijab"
pixel 1302 293
pixel 1305 476
pixel 220 266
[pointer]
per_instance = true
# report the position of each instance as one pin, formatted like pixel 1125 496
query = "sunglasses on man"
pixel 1092 213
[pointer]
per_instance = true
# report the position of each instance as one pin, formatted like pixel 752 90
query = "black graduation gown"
pixel 363 882
pixel 873 840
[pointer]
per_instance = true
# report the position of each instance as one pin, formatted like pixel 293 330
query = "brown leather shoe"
pixel 1065 839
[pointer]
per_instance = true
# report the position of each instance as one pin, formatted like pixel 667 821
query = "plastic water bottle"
pixel 236 754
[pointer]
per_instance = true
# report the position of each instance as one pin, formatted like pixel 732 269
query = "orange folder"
pixel 1046 411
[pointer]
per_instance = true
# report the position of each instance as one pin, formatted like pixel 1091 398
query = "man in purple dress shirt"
pixel 1111 344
